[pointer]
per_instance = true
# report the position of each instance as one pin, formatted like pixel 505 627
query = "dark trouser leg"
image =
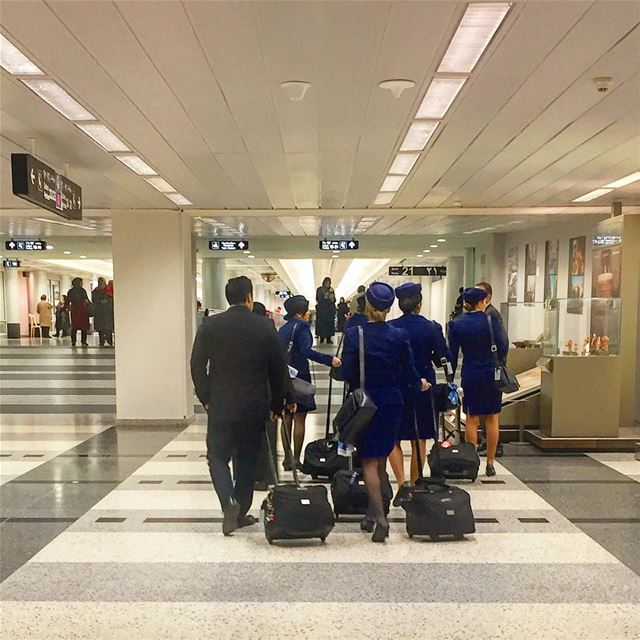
pixel 74 336
pixel 249 441
pixel 45 332
pixel 101 337
pixel 83 336
pixel 109 337
pixel 219 450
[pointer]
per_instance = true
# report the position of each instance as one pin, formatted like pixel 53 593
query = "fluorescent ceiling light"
pixel 160 184
pixel 478 25
pixel 440 94
pixel 65 224
pixel 103 136
pixel 441 240
pixel 178 198
pixel 403 163
pixel 433 246
pixel 83 257
pixel 136 164
pixel 592 195
pixel 52 93
pixel 50 247
pixel 419 255
pixel 418 135
pixel 14 61
pixel 623 182
pixel 360 271
pixel 384 198
pixel 392 183
pixel 427 251
pixel 67 253
pixel 91 266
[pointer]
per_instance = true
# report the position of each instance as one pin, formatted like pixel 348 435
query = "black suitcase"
pixel 292 512
pixel 349 493
pixel 435 509
pixel 454 462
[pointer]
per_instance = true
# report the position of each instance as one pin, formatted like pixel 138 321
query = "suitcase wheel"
pixel 315 477
pixel 323 539
pixel 410 535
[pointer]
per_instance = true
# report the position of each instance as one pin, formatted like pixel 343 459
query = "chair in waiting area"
pixel 34 326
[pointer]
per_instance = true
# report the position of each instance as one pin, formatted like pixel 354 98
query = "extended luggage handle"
pixel 421 478
pixel 327 429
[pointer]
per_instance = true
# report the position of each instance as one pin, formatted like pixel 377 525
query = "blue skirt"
pixel 381 435
pixel 418 405
pixel 480 397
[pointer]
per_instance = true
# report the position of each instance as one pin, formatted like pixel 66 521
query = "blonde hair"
pixel 467 306
pixel 375 315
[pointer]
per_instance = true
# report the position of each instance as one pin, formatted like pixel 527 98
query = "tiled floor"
pixel 115 533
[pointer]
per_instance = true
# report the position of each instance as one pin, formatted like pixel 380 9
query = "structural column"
pixel 455 280
pixel 213 283
pixel 12 303
pixel 154 306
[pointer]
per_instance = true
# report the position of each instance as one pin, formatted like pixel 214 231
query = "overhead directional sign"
pixel 417 271
pixel 45 187
pixel 228 245
pixel 11 263
pixel 339 245
pixel 25 245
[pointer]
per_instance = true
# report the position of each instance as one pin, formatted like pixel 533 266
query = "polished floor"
pixel 114 533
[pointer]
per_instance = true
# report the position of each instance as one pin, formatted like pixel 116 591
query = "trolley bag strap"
pixel 421 479
pixel 361 355
pixel 503 379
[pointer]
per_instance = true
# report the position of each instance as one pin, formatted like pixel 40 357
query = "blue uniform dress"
pixel 302 352
pixel 470 332
pixel 356 320
pixel 389 368
pixel 428 346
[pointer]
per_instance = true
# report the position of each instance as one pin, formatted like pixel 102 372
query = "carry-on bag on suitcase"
pixel 435 509
pixel 293 512
pixel 349 493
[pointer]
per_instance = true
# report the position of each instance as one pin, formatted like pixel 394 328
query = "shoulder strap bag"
pixel 302 392
pixel 358 409
pixel 503 380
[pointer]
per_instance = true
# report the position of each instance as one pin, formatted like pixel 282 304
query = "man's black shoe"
pixel 247 521
pixel 230 520
pixel 499 450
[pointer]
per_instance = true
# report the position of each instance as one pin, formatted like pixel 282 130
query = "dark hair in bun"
pixel 410 303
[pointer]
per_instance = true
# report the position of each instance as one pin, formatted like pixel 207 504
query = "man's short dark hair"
pixel 361 288
pixel 486 286
pixel 238 289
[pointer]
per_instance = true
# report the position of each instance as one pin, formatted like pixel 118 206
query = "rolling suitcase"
pixel 293 512
pixel 349 493
pixel 435 509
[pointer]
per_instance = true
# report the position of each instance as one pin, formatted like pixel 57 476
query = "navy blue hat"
pixel 408 290
pixel 473 295
pixel 380 295
pixel 294 305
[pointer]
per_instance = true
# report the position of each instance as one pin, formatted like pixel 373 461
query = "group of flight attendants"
pixel 399 358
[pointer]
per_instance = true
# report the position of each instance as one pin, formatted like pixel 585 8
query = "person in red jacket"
pixel 78 305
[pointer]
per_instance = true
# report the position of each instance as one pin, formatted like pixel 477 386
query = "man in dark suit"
pixel 239 372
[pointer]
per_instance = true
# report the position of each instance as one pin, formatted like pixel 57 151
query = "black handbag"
pixel 503 380
pixel 301 392
pixel 358 409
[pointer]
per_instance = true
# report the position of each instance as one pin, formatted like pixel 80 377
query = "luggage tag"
pixel 305 501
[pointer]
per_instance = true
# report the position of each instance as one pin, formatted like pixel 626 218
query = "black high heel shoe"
pixel 490 470
pixel 367 524
pixel 381 532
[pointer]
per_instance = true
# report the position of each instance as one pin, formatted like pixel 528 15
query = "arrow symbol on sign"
pixel 12 245
pixel 351 245
pixel 33 177
pixel 241 245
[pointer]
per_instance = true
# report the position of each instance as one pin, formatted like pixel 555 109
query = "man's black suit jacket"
pixel 238 366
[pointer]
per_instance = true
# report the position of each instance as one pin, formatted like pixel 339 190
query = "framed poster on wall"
pixel 551 251
pixel 512 274
pixel 531 257
pixel 575 284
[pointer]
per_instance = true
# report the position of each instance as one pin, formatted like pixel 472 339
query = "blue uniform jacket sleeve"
pixel 441 349
pixel 305 342
pixel 408 364
pixel 454 345
pixel 350 365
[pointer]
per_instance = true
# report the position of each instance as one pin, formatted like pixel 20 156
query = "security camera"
pixel 603 83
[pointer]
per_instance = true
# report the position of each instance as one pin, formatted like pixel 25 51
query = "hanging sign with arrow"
pixel 422 270
pixel 43 186
pixel 25 245
pixel 229 245
pixel 339 245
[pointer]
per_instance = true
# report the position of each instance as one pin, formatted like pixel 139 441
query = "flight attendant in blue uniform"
pixel 429 347
pixel 360 317
pixel 389 366
pixel 297 330
pixel 470 332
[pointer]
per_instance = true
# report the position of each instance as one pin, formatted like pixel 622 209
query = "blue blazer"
pixel 302 350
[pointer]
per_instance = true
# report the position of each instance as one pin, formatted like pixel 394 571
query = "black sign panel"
pixel 43 186
pixel 25 245
pixel 228 245
pixel 417 271
pixel 339 245
pixel 11 264
pixel 283 294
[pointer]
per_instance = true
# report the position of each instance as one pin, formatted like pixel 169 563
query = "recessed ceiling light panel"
pixel 439 97
pixel 392 183
pixel 592 195
pixel 178 198
pixel 14 61
pixel 103 136
pixel 136 164
pixel 418 135
pixel 160 184
pixel 403 163
pixel 384 198
pixel 52 93
pixel 623 182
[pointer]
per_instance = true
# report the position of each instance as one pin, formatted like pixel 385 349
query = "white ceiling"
pixel 193 87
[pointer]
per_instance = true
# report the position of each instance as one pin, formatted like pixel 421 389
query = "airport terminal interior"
pixel 157 149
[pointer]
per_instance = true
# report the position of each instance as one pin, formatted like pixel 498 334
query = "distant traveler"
pixel 358 318
pixel 297 331
pixel 63 322
pixel 44 309
pixel 470 332
pixel 239 373
pixel 343 312
pixel 458 309
pixel 429 347
pixel 389 366
pixel 78 305
pixel 353 305
pixel 325 312
pixel 199 314
pixel 103 313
